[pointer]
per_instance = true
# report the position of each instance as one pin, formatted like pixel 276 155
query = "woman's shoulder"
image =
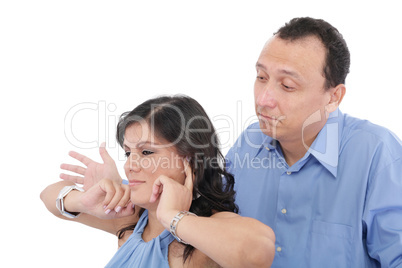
pixel 124 238
pixel 138 226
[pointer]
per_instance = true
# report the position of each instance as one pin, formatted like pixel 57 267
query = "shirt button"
pixel 288 172
pixel 279 249
pixel 284 211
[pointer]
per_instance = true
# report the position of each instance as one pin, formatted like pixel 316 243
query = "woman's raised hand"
pixel 94 171
pixel 107 200
pixel 173 196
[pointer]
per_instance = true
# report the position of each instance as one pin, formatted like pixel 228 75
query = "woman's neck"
pixel 153 227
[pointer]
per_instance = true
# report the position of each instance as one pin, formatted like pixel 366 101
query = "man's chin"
pixel 268 129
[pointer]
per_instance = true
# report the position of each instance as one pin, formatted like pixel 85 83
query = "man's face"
pixel 289 88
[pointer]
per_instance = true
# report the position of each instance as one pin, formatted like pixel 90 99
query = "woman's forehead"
pixel 140 134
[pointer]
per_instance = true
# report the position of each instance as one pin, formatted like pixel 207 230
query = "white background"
pixel 110 56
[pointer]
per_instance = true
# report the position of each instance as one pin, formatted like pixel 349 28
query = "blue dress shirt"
pixel 338 206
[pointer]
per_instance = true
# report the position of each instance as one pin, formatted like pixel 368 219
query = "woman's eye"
pixel 147 152
pixel 127 154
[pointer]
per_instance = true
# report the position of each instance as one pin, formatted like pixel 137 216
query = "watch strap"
pixel 60 200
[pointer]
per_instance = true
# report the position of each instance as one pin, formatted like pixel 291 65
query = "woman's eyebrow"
pixel 141 144
pixel 149 143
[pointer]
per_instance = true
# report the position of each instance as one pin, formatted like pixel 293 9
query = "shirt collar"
pixel 268 143
pixel 325 147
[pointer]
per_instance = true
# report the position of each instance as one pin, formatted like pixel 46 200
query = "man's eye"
pixel 287 87
pixel 127 154
pixel 146 152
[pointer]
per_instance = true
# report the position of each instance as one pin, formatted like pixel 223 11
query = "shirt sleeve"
pixel 229 160
pixel 383 215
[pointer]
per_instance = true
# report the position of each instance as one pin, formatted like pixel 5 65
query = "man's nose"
pixel 265 96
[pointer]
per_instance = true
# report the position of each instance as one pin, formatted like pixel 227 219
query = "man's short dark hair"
pixel 337 57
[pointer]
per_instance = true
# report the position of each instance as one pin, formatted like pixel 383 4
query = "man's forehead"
pixel 310 41
pixel 299 54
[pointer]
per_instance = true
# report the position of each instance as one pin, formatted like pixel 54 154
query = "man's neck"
pixel 293 151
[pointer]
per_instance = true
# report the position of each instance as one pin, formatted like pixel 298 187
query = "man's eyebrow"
pixel 281 71
pixel 259 65
pixel 290 73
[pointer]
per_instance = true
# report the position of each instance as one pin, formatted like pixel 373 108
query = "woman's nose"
pixel 132 164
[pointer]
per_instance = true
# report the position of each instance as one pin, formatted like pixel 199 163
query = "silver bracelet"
pixel 175 222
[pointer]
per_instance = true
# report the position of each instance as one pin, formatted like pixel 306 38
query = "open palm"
pixel 93 172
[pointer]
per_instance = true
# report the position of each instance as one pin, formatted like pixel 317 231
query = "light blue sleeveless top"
pixel 135 252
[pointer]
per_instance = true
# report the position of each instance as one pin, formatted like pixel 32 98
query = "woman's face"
pixel 148 157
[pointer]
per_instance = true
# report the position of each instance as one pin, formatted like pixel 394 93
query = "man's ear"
pixel 336 95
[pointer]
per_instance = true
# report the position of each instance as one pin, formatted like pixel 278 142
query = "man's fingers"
pixel 75 179
pixel 73 168
pixel 104 153
pixel 82 158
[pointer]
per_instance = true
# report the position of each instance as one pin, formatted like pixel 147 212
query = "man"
pixel 329 185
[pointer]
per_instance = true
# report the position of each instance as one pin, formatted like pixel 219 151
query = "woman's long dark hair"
pixel 182 121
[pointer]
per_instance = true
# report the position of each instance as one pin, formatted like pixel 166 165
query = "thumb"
pixel 104 154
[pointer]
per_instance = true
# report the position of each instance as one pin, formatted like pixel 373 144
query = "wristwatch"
pixel 60 201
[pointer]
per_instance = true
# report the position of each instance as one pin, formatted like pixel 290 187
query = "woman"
pixel 178 183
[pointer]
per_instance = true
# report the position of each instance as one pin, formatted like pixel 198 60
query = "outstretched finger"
pixel 188 182
pixel 104 153
pixel 75 179
pixel 82 158
pixel 73 168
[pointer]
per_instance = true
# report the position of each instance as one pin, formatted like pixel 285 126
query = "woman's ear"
pixel 336 95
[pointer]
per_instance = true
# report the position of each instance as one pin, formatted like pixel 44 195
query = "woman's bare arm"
pixel 111 225
pixel 229 239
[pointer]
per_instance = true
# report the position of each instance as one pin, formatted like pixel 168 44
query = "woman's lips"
pixel 134 183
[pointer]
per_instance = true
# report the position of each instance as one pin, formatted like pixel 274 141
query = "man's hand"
pixel 94 171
